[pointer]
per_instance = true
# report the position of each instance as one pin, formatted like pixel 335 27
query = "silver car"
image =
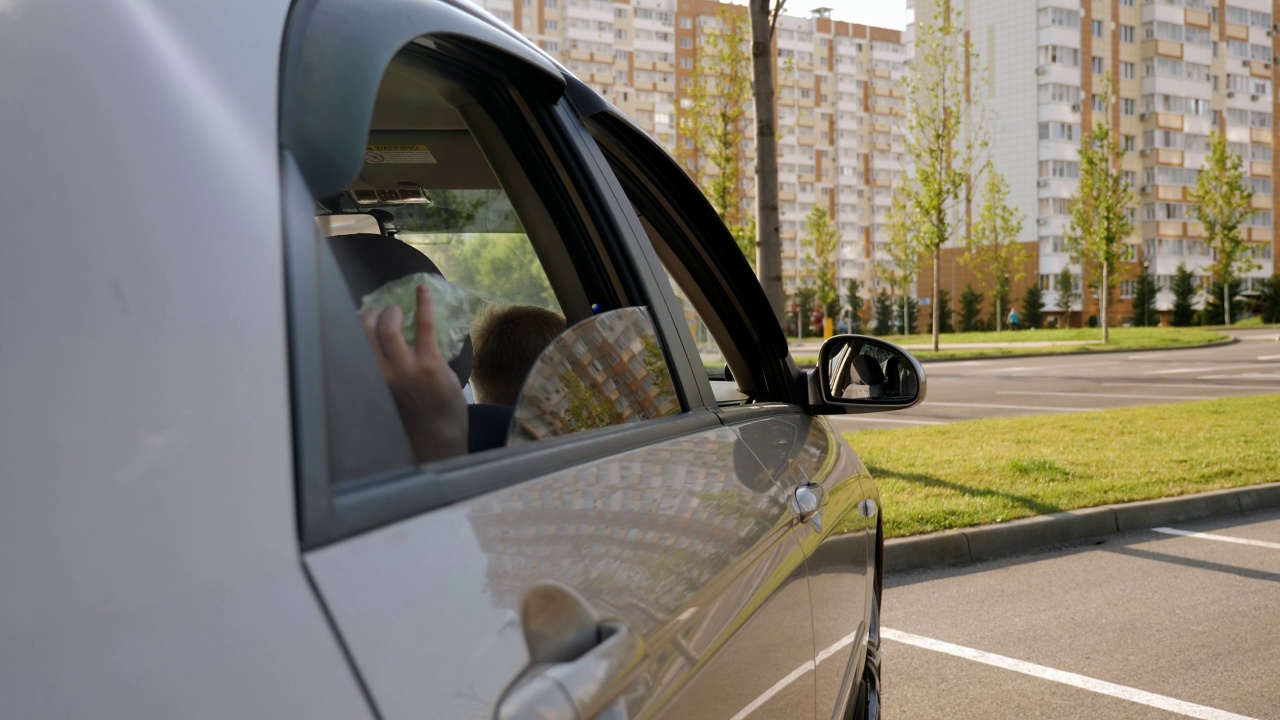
pixel 235 484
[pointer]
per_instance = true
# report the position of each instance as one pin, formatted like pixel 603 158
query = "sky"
pixel 880 13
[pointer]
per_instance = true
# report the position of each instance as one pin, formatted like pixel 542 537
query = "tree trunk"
pixel 937 282
pixel 1226 300
pixel 999 314
pixel 768 238
pixel 904 312
pixel 1105 291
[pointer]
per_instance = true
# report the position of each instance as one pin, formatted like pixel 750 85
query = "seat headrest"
pixel 868 370
pixel 369 261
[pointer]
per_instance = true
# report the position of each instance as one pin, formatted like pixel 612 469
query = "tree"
pixel 1184 293
pixel 945 134
pixel 805 298
pixel 1270 300
pixel 764 20
pixel 1144 300
pixel 970 309
pixel 944 300
pixel 884 313
pixel 854 302
pixel 1221 203
pixel 1033 307
pixel 904 251
pixel 1065 285
pixel 1100 208
pixel 903 313
pixel 820 242
pixel 1215 303
pixel 993 251
pixel 712 121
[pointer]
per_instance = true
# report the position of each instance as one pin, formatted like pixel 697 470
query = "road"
pixel 1005 387
pixel 1141 625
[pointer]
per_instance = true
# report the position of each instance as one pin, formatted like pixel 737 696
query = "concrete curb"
pixel 1215 343
pixel 958 547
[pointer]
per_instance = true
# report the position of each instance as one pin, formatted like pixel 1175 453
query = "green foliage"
pixel 944 311
pixel 903 248
pixel 970 309
pixel 496 267
pixel 1220 202
pixel 712 125
pixel 1033 307
pixel 946 133
pixel 854 302
pixel 1065 284
pixel 907 326
pixel 805 300
pixel 1100 208
pixel 1270 300
pixel 884 313
pixel 993 251
pixel 1144 301
pixel 1184 293
pixel 820 242
pixel 999 308
pixel 1212 313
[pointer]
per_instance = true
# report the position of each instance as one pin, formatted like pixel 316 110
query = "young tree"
pixel 1215 309
pixel 884 313
pixel 904 312
pixel 1100 208
pixel 1033 307
pixel 970 309
pixel 713 122
pixel 854 302
pixel 1184 293
pixel 1270 300
pixel 946 132
pixel 805 298
pixel 1144 300
pixel 993 251
pixel 820 242
pixel 1065 284
pixel 904 251
pixel 764 19
pixel 1220 201
pixel 944 301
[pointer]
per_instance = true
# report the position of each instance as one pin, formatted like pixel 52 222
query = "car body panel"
pixel 148 550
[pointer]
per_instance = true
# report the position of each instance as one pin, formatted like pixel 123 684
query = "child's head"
pixel 507 340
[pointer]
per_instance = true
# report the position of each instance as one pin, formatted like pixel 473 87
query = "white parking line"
pixel 1191 386
pixel 1243 376
pixel 902 421
pixel 1269 357
pixel 795 675
pixel 1083 682
pixel 1218 538
pixel 1105 395
pixel 930 403
pixel 993 371
pixel 1173 371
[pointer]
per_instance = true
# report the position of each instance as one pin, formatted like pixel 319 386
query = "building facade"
pixel 840 104
pixel 1180 69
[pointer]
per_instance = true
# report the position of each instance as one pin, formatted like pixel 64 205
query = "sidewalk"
pixel 968 545
pixel 808 347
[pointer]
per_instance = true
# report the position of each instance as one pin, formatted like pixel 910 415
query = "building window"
pixel 550 25
pixel 1127 34
pixel 1128 71
pixel 1097 65
pixel 686 23
pixel 1128 106
pixel 1130 143
pixel 1097 28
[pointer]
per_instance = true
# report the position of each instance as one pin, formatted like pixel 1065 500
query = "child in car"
pixel 507 339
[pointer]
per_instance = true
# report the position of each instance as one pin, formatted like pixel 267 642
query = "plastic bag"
pixel 449 302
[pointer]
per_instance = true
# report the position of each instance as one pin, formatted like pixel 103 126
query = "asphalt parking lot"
pixel 1148 624
pixel 1006 387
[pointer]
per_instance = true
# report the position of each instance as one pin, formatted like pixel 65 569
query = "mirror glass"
pixel 863 370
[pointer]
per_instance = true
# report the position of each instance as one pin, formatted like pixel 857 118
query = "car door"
pixel 801 451
pixel 636 561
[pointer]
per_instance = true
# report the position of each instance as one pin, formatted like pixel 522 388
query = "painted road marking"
pixel 1243 376
pixel 992 371
pixel 1269 357
pixel 1201 369
pixel 1007 407
pixel 1105 395
pixel 796 675
pixel 1219 538
pixel 903 421
pixel 1192 386
pixel 1083 682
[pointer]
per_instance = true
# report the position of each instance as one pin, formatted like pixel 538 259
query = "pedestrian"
pixel 1013 319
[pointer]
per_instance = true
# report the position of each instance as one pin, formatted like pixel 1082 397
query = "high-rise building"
pixel 1180 69
pixel 840 104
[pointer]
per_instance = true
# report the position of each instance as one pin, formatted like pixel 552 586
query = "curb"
pixel 985 542
pixel 1215 343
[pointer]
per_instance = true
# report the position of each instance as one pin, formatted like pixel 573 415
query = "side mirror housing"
pixel 860 374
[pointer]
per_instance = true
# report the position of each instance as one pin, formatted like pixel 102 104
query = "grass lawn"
pixel 985 471
pixel 1122 339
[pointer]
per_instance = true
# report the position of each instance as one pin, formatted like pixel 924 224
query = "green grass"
pixel 984 471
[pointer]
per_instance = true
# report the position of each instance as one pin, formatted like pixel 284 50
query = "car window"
pixel 452 196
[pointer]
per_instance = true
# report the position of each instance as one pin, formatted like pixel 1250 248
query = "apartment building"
pixel 1180 69
pixel 840 104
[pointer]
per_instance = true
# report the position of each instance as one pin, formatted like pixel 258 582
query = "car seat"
pixel 869 374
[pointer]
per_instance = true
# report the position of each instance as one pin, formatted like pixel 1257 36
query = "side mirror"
pixel 860 374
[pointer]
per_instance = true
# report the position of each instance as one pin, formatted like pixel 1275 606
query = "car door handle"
pixel 588 687
pixel 807 501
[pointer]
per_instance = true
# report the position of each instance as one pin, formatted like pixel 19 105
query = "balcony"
pixel 1169 157
pixel 1258 168
pixel 1261 136
pixel 1261 202
pixel 1169 121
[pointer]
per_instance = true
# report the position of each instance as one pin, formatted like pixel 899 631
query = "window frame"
pixel 327 512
